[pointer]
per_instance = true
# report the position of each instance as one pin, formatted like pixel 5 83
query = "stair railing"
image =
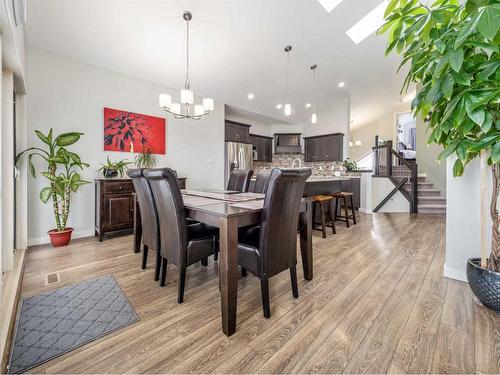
pixel 403 174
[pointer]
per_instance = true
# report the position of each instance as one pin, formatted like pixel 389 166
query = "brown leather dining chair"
pixel 149 218
pixel 181 244
pixel 262 181
pixel 239 180
pixel 272 248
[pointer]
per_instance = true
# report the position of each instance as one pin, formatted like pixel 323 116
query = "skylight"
pixel 329 5
pixel 368 24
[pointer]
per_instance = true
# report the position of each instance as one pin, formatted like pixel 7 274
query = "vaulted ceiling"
pixel 236 49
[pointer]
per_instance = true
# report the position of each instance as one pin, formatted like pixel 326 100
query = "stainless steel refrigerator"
pixel 238 156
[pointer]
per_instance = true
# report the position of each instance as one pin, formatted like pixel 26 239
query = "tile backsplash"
pixel 320 168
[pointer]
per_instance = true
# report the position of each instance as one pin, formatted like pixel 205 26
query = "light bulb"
pixel 187 96
pixel 350 144
pixel 198 110
pixel 165 100
pixel 357 143
pixel 288 109
pixel 175 108
pixel 314 118
pixel 208 104
pixel 308 105
pixel 278 106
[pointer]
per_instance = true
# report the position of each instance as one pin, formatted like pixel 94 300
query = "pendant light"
pixel 186 108
pixel 287 106
pixel 314 116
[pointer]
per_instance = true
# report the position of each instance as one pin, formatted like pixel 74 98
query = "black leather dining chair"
pixel 181 244
pixel 239 180
pixel 149 218
pixel 272 247
pixel 262 181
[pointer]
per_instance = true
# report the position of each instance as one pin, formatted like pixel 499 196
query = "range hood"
pixel 287 143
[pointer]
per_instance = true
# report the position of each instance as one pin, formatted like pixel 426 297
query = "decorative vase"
pixel 60 238
pixel 484 283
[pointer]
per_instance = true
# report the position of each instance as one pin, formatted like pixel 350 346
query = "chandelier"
pixel 186 107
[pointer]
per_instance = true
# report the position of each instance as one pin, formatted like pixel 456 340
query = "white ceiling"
pixel 236 48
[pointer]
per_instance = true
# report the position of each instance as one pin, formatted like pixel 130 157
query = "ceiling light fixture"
pixel 251 96
pixel 314 116
pixel 329 5
pixel 368 24
pixel 278 106
pixel 288 106
pixel 308 105
pixel 186 108
pixel 341 84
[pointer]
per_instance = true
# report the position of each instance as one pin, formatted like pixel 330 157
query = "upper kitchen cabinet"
pixel 263 147
pixel 237 132
pixel 328 147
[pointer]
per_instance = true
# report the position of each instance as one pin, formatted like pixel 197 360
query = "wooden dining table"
pixel 229 211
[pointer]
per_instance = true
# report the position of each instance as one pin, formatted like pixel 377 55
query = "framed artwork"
pixel 133 132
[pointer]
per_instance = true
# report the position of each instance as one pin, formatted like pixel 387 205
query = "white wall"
pixel 69 96
pixel 463 213
pixel 380 188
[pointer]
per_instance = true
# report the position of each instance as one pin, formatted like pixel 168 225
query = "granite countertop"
pixel 328 178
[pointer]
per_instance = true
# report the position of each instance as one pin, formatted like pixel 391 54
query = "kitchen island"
pixel 332 184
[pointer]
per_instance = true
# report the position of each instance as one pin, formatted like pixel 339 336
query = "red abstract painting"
pixel 133 132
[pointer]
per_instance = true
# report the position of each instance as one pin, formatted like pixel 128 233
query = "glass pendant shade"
pixel 198 110
pixel 175 108
pixel 314 118
pixel 208 104
pixel 350 144
pixel 187 96
pixel 357 143
pixel 165 100
pixel 288 109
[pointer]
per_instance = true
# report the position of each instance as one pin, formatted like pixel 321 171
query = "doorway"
pixel 406 135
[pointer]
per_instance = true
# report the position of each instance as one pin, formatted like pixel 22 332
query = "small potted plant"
pixel 146 159
pixel 113 169
pixel 62 177
pixel 452 51
pixel 350 165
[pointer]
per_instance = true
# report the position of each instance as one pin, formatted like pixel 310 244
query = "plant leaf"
pixel 44 139
pixel 458 168
pixel 490 21
pixel 457 59
pixel 495 153
pixel 447 85
pixel 45 194
pixel 67 139
pixel 469 28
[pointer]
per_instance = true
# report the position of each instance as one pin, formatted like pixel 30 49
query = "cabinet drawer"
pixel 118 187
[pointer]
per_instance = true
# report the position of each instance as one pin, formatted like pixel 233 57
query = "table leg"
pixel 228 275
pixel 137 227
pixel 305 220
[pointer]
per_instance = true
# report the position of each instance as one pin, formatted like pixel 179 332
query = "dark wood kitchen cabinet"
pixel 237 132
pixel 328 147
pixel 263 146
pixel 114 205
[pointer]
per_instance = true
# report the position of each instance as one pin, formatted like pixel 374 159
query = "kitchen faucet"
pixel 300 163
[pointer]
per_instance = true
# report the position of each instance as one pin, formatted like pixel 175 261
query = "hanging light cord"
pixel 187 84
pixel 287 64
pixel 314 90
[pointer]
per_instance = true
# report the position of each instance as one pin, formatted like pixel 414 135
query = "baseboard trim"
pixel 10 301
pixel 45 239
pixel 365 210
pixel 455 273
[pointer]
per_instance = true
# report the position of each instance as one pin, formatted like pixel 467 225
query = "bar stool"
pixel 322 201
pixel 343 196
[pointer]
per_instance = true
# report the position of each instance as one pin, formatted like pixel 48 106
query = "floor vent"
pixel 52 278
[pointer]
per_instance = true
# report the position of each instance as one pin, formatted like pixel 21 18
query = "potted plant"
pixel 350 165
pixel 63 178
pixel 113 169
pixel 146 159
pixel 452 52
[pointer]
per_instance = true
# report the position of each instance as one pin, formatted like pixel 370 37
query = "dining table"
pixel 229 211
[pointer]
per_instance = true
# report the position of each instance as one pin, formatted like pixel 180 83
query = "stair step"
pixel 429 192
pixel 431 200
pixel 425 185
pixel 431 208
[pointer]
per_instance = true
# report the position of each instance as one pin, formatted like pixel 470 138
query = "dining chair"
pixel 262 181
pixel 272 248
pixel 181 244
pixel 149 218
pixel 239 180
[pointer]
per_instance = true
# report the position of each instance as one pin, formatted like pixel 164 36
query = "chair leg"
pixel 204 262
pixel 157 266
pixel 336 208
pixel 182 283
pixel 216 256
pixel 293 279
pixel 353 212
pixel 334 230
pixel 323 227
pixel 144 257
pixel 264 289
pixel 346 213
pixel 243 272
pixel 163 271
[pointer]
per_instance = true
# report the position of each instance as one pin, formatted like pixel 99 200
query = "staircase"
pixel 429 200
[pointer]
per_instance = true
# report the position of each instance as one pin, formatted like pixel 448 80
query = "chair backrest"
pixel 171 214
pixel 262 181
pixel 147 208
pixel 239 180
pixel 280 215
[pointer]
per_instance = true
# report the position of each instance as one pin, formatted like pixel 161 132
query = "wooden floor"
pixel 378 303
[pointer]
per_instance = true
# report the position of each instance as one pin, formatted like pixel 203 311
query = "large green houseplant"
pixel 62 176
pixel 451 51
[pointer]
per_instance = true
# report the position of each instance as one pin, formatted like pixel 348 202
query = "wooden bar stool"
pixel 322 201
pixel 343 196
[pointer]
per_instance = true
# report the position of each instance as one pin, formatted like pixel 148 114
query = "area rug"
pixel 54 323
